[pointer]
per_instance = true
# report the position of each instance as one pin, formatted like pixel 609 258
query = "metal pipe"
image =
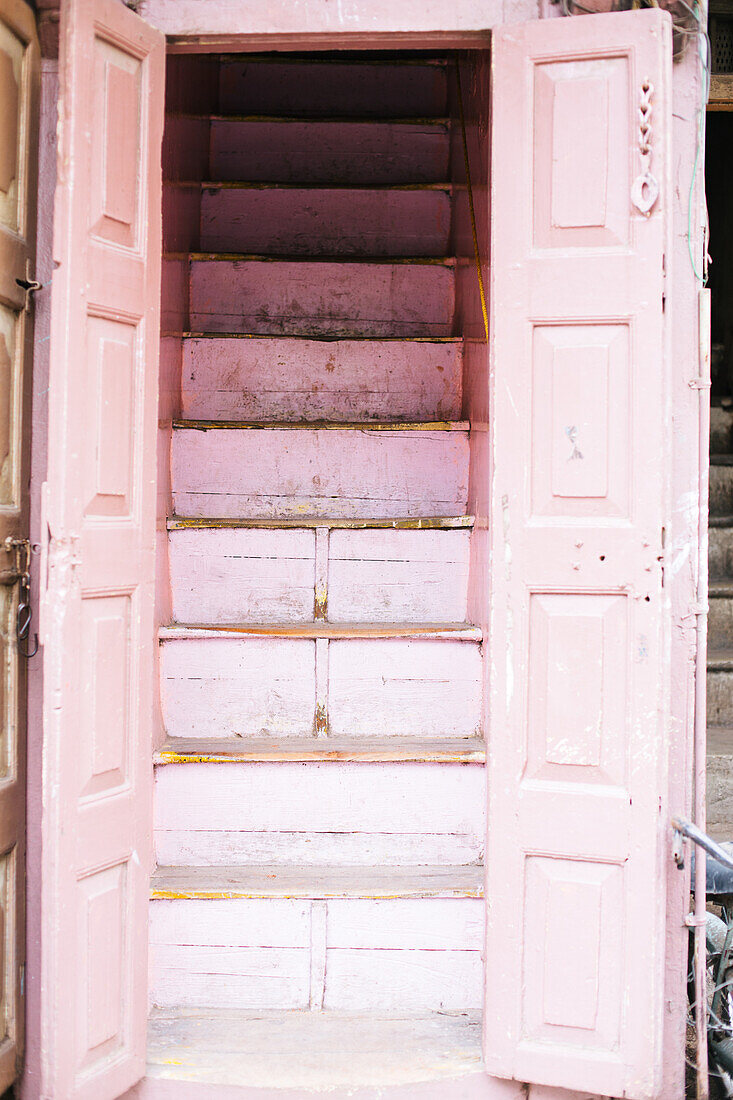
pixel 700 728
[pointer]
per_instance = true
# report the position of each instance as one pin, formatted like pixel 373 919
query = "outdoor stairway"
pixel 720 626
pixel 317 913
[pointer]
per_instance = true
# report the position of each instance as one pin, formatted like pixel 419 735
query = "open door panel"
pixel 97 612
pixel 578 637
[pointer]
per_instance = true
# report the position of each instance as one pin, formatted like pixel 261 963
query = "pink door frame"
pixel 197 26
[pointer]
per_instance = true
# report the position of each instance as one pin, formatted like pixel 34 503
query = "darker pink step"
pixel 325 221
pixel 282 297
pixel 289 151
pixel 338 88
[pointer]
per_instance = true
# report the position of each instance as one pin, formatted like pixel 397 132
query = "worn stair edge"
pixel 455 632
pixel 266 185
pixel 265 258
pixel 721 459
pixel 438 121
pixel 381 750
pixel 212 883
pixel 190 335
pixel 417 523
pixel 720 660
pixel 324 425
pixel 720 589
pixel 720 521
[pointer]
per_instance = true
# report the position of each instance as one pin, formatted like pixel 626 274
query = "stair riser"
pixel 225 810
pixel 332 89
pixel 334 473
pixel 720 552
pixel 721 430
pixel 290 379
pixel 225 687
pixel 721 490
pixel 229 576
pixel 325 222
pixel 348 955
pixel 720 623
pixel 719 800
pixel 329 152
pixel 322 299
pixel 720 698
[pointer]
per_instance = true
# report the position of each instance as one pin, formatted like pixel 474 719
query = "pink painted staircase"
pixel 316 913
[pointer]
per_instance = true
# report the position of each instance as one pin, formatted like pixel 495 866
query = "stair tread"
pixel 209 750
pixel 267 258
pixel 721 587
pixel 720 521
pixel 267 185
pixel 463 632
pixel 721 459
pixel 419 523
pixel 323 339
pixel 335 120
pixel 325 425
pixel 283 880
pixel 720 741
pixel 310 1050
pixel 720 659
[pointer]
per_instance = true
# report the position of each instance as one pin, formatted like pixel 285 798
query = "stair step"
pixel 720 686
pixel 294 470
pixel 307 523
pixel 720 617
pixel 720 549
pixel 285 219
pixel 294 682
pixel 248 377
pixel 721 485
pixel 207 750
pixel 299 87
pixel 720 782
pixel 456 632
pixel 294 575
pixel 366 151
pixel 330 812
pixel 316 882
pixel 721 429
pixel 337 298
pixel 311 1051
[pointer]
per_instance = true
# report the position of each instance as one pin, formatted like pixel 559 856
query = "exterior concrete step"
pixel 366 750
pixel 720 618
pixel 296 681
pixel 292 220
pixel 224 575
pixel 310 1051
pixel 368 939
pixel 720 548
pixel 721 429
pixel 288 378
pixel 720 687
pixel 721 484
pixel 367 151
pixel 720 782
pixel 229 469
pixel 330 87
pixel 387 814
pixel 333 298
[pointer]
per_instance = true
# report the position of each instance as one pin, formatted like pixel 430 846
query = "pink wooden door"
pixel 97 614
pixel 19 79
pixel 578 628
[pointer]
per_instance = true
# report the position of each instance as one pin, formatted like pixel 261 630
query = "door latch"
pixel 30 286
pixel 21 549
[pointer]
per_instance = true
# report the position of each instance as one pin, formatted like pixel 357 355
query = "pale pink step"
pixel 332 87
pixel 308 1052
pixel 349 953
pixel 225 575
pixel 341 813
pixel 319 298
pixel 286 378
pixel 249 687
pixel 375 470
pixel 290 220
pixel 278 150
pixel 367 750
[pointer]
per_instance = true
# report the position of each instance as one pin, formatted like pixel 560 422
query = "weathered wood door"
pixel 97 613
pixel 578 827
pixel 19 86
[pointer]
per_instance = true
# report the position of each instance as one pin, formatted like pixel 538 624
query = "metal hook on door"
pixel 24 614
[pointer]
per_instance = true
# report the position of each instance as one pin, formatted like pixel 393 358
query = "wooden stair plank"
pixel 456 632
pixel 324 425
pixel 416 523
pixel 203 750
pixel 281 881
